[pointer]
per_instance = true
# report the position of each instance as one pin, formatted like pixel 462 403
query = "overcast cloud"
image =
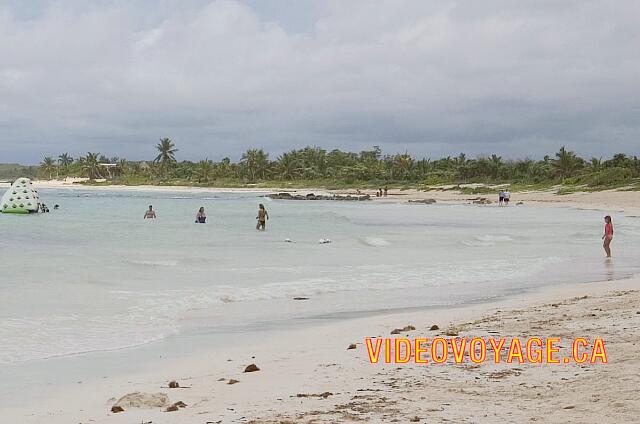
pixel 518 78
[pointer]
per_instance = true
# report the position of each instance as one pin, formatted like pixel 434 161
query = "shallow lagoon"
pixel 94 276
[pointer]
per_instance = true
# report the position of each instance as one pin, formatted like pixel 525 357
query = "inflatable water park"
pixel 21 198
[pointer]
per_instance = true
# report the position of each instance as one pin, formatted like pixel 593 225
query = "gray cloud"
pixel 430 77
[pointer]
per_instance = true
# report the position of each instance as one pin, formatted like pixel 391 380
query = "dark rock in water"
pixel 172 408
pixel 283 195
pixel 424 201
pixel 414 419
pixel 232 381
pixel 352 346
pixel 174 385
pixel 115 409
pixel 300 298
pixel 312 196
pixel 252 368
pixel 434 327
pixel 520 203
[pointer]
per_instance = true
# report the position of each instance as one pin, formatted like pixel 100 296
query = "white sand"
pixel 314 361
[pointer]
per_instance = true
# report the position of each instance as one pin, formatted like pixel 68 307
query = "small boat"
pixel 21 198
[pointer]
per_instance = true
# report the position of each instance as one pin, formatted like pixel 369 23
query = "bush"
pixel 608 177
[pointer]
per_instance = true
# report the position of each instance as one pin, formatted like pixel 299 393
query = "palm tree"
pixel 423 166
pixel 401 166
pixel 566 163
pixel 495 163
pixel 204 171
pixel 48 166
pixel 166 156
pixel 255 163
pixel 91 166
pixel 289 166
pixel 64 160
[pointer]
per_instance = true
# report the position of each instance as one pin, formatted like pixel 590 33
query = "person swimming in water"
pixel 608 235
pixel 150 213
pixel 201 217
pixel 262 218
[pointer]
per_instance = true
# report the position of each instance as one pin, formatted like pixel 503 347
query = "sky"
pixel 432 78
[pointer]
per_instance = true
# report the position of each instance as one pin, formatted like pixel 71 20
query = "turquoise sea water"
pixel 94 276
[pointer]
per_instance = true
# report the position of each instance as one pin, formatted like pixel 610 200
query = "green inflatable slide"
pixel 21 198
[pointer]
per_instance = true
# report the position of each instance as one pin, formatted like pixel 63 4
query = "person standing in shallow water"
pixel 201 217
pixel 262 218
pixel 608 235
pixel 150 213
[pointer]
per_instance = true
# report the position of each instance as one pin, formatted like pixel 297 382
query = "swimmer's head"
pixel 201 209
pixel 607 219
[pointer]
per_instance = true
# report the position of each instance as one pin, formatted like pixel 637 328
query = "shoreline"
pixel 626 202
pixel 315 360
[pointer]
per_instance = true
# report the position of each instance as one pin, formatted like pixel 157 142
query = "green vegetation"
pixel 315 167
pixel 11 171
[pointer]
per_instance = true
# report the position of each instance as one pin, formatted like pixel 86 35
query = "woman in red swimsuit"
pixel 608 235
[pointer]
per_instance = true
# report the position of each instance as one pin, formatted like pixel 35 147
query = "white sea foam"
pixel 374 241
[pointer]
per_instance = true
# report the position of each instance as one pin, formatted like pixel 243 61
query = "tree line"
pixel 314 164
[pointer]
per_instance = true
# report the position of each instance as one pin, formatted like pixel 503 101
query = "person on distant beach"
pixel 386 190
pixel 201 217
pixel 507 196
pixel 150 213
pixel 501 198
pixel 262 218
pixel 608 235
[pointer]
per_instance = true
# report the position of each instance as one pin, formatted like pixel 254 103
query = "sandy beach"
pixel 308 374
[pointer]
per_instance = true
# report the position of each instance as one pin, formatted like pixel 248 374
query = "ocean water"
pixel 94 277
